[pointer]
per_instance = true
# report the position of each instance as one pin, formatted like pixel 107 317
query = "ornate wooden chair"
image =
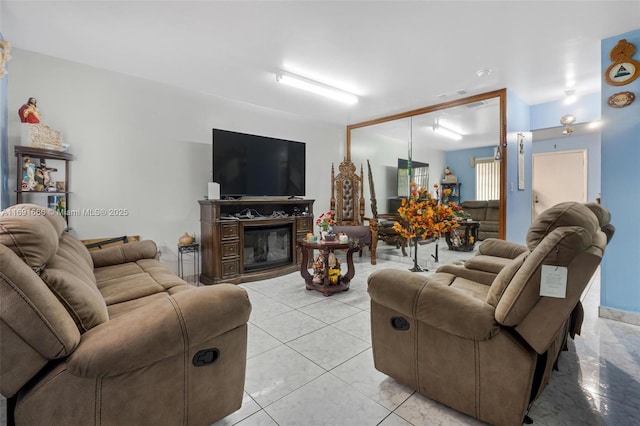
pixel 347 203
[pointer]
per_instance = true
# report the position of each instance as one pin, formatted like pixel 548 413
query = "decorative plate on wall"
pixel 621 100
pixel 623 70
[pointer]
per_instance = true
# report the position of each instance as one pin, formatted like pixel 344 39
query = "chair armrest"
pixel 159 330
pixel 124 253
pixel 460 271
pixel 493 255
pixel 501 248
pixel 432 301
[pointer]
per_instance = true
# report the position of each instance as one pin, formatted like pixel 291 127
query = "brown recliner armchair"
pixel 485 342
pixel 111 337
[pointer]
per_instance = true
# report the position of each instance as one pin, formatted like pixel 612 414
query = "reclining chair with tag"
pixel 481 338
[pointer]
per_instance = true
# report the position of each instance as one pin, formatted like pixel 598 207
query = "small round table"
pixel 326 247
pixel 468 240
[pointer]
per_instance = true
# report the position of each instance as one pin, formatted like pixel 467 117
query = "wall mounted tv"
pixel 251 165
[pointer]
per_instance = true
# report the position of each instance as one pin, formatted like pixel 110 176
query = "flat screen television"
pixel 251 165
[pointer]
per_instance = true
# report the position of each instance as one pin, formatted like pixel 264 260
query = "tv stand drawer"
pixel 230 268
pixel 229 230
pixel 229 250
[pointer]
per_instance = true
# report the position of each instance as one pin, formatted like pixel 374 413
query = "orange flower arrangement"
pixel 423 216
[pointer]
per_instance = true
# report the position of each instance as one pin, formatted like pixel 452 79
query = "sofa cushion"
pixel 564 214
pixel 493 211
pixel 472 288
pixel 477 209
pixel 501 248
pixel 604 219
pixel 491 264
pixel 109 273
pixel 79 294
pixel 75 251
pixel 490 227
pixel 131 287
pixel 603 215
pixel 32 238
pixel 503 279
pixel 31 210
pixel 125 253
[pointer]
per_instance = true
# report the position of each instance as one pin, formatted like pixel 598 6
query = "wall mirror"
pixel 465 136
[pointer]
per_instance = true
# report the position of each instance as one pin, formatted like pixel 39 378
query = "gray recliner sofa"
pixel 111 337
pixel 487 212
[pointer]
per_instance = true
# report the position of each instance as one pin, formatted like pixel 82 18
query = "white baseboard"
pixel 619 315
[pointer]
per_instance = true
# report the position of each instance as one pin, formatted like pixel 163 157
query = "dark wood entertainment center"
pixel 252 239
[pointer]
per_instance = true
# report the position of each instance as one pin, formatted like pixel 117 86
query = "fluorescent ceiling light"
pixel 315 87
pixel 438 128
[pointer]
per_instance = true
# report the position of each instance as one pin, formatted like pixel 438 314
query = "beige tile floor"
pixel 309 362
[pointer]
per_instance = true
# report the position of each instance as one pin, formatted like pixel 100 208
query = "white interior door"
pixel 557 177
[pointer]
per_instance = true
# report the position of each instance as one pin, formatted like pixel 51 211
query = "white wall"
pixel 146 147
pixel 383 154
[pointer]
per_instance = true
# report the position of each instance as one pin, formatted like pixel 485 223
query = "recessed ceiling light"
pixel 483 72
pixel 459 92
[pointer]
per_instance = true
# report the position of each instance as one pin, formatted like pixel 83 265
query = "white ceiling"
pixel 396 55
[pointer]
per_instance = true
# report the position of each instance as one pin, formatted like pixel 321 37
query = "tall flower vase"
pixel 416 267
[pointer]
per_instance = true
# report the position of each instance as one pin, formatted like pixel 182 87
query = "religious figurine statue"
pixel 29 112
pixel 43 173
pixel 28 175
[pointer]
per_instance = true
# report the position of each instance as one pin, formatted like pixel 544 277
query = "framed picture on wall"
pixel 521 185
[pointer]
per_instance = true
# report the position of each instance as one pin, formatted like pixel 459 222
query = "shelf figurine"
pixel 29 112
pixel 28 175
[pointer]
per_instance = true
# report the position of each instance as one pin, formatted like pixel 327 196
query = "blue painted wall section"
pixel 586 108
pixel 620 286
pixel 518 202
pixel 458 162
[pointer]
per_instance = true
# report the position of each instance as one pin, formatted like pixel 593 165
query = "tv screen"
pixel 251 165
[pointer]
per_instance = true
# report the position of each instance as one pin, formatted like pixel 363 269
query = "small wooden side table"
pixel 326 247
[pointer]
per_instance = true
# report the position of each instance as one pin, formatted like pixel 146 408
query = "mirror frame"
pixel 501 94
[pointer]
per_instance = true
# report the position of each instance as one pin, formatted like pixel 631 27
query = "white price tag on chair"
pixel 553 282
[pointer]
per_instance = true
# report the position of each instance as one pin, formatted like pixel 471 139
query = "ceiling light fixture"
pixel 316 87
pixel 567 120
pixel 498 156
pixel 484 72
pixel 570 97
pixel 439 128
